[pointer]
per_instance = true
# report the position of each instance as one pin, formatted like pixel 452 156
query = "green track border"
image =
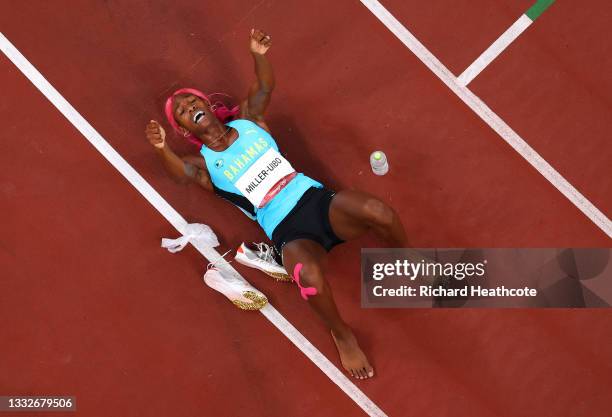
pixel 538 8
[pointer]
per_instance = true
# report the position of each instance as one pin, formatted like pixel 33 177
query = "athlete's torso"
pixel 250 172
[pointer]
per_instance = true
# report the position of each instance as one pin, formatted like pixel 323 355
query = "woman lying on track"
pixel 240 162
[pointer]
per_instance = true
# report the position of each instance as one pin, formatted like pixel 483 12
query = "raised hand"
pixel 260 41
pixel 156 134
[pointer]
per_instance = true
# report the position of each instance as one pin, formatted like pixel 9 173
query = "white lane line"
pixel 489 117
pixel 494 50
pixel 157 201
pixel 317 357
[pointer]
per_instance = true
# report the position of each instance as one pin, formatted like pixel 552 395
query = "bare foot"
pixel 352 357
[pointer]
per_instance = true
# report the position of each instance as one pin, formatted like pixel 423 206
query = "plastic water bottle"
pixel 378 161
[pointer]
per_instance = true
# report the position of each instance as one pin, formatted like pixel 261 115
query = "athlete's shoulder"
pixel 247 123
pixel 259 121
pixel 241 122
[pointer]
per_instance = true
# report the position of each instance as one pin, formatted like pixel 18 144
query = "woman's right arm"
pixel 187 169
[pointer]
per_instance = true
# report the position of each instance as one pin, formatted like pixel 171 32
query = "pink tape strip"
pixel 304 291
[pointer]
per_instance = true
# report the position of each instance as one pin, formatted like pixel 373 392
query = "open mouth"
pixel 198 116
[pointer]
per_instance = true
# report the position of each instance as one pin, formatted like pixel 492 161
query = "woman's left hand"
pixel 260 41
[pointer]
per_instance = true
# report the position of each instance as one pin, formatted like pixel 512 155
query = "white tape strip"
pixel 194 232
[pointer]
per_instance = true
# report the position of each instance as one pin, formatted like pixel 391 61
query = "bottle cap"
pixel 377 156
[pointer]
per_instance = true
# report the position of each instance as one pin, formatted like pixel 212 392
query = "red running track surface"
pixel 91 306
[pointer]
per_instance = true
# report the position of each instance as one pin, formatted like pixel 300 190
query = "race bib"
pixel 263 176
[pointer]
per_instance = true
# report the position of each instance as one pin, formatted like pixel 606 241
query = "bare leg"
pixel 353 213
pixel 313 257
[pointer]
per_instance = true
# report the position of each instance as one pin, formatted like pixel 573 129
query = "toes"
pixel 363 373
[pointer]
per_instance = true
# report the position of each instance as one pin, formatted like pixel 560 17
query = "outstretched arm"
pixel 186 169
pixel 261 90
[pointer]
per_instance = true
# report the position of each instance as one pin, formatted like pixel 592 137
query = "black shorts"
pixel 309 219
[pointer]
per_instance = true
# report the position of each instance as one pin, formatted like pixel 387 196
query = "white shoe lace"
pixel 265 252
pixel 220 261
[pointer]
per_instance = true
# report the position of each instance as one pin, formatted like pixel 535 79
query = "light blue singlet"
pixel 228 167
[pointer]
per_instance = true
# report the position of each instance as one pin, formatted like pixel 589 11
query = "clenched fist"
pixel 260 41
pixel 156 134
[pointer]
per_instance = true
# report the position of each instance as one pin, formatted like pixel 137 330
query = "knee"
pixel 379 213
pixel 312 276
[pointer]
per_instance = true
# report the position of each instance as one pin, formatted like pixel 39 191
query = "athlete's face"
pixel 192 113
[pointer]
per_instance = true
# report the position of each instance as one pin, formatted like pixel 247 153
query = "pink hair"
pixel 223 113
